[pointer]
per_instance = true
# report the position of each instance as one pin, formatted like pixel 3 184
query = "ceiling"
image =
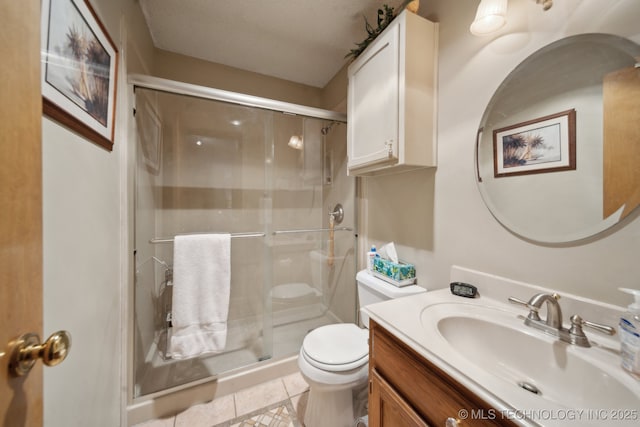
pixel 303 41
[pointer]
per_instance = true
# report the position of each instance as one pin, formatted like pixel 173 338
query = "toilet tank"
pixel 372 290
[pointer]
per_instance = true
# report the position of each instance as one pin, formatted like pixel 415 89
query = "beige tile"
pixel 274 417
pixel 258 397
pixel 295 384
pixel 208 414
pixel 161 422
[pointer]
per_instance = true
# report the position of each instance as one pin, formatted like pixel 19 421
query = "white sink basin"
pixel 496 342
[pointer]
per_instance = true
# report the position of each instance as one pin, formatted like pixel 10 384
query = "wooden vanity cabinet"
pixel 406 390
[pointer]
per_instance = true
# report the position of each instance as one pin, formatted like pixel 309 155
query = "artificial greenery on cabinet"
pixel 385 16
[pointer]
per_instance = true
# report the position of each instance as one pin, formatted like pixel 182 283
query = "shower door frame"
pixel 181 88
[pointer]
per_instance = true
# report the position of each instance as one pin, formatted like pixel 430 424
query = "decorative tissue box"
pixel 398 274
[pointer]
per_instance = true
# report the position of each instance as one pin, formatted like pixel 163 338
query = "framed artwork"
pixel 79 70
pixel 545 144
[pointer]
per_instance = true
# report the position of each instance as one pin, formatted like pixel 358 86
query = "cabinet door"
pixel 387 408
pixel 373 103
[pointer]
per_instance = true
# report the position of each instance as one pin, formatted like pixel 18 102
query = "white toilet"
pixel 334 359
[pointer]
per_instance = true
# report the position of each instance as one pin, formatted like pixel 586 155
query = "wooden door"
pixel 621 141
pixel 20 204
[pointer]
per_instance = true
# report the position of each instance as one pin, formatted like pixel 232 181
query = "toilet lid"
pixel 337 347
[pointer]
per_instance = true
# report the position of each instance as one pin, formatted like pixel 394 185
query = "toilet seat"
pixel 336 348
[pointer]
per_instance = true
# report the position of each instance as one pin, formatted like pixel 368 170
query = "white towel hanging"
pixel 201 289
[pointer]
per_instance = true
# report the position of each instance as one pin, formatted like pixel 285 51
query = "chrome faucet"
pixel 554 312
pixel 553 323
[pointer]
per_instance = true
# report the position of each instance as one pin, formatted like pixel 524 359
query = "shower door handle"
pixel 26 350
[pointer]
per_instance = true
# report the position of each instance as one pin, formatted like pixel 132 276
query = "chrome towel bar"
pixel 261 234
pixel 312 230
pixel 233 235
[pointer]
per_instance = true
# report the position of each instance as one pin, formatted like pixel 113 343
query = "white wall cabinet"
pixel 391 101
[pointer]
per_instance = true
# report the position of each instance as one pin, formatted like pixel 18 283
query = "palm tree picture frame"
pixel 545 144
pixel 79 70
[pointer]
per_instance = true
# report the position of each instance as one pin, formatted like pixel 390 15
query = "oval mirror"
pixel 558 147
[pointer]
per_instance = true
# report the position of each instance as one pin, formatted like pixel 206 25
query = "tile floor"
pixel 277 403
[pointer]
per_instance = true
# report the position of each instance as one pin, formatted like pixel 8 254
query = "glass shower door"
pixel 201 169
pixel 270 180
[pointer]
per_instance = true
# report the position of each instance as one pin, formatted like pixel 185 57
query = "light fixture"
pixel 490 17
pixel 296 142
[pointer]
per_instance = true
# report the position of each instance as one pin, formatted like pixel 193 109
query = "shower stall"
pixel 273 176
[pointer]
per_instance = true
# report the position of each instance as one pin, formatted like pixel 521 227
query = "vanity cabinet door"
pixel 387 408
pixel 418 389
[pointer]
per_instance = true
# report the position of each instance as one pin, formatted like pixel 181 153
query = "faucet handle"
pixel 533 310
pixel 577 322
pixel 515 300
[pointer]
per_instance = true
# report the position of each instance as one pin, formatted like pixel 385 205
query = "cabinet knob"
pixel 452 422
pixel 389 144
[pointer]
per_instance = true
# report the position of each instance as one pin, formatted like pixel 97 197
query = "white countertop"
pixel 402 317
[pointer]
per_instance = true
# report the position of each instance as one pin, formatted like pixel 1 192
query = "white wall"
pixel 444 206
pixel 84 258
pixel 81 278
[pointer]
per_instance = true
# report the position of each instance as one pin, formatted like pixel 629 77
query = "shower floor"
pixel 289 328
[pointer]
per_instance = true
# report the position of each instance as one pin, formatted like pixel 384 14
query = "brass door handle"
pixel 27 350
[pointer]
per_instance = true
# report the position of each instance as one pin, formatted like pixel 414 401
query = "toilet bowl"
pixel 334 359
pixel 334 362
